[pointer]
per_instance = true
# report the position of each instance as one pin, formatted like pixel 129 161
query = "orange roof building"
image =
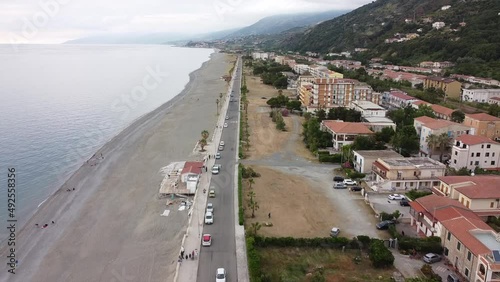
pixel 484 125
pixel 344 133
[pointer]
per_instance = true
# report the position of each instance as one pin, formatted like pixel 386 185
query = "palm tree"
pixel 203 143
pixel 255 227
pixel 444 142
pixel 432 142
pixel 250 182
pixel 217 102
pixel 254 206
pixel 205 134
pixel 251 194
pixel 246 106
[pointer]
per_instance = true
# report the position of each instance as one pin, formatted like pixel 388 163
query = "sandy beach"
pixel 109 228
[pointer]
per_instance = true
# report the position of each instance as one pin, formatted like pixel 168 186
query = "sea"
pixel 60 103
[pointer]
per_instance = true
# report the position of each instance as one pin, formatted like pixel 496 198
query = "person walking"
pixel 182 251
pixel 269 215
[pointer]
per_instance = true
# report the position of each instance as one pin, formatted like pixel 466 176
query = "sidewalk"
pixel 187 270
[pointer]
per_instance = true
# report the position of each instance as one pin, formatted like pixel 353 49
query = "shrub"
pixel 415 194
pixel 327 158
pixel 424 245
pixel 253 260
pixel 248 172
pixel 323 242
pixel 429 273
pixel 356 175
pixel 380 256
pixel 364 240
pixel 241 211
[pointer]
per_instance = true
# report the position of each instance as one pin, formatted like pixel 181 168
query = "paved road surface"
pixel 222 253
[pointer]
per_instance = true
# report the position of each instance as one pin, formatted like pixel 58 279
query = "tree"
pixel 432 142
pixel 294 105
pixel 362 142
pixel 255 226
pixel 457 116
pixel 380 256
pixel 385 134
pixel 250 182
pixel 253 205
pixel 205 134
pixel 494 110
pixel 321 114
pixel 203 143
pixel 425 110
pixel 406 140
pixel 444 142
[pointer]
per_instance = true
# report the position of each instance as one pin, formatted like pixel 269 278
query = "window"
pixel 398 184
pixel 487 154
pixel 478 154
pixel 492 204
pixel 471 163
pixel 466 272
pixel 446 251
pixel 448 237
pixel 456 153
pixel 454 161
pixel 458 246
pixel 472 154
pixel 476 163
pixel 488 146
pixel 469 256
pixel 492 162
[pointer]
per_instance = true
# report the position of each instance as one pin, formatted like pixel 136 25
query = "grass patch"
pixel 318 264
pixel 241 211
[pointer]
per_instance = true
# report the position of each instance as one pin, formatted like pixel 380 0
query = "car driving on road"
pixel 225 124
pixel 217 156
pixel 221 143
pixel 209 218
pixel 210 207
pixel 220 275
pixel 206 240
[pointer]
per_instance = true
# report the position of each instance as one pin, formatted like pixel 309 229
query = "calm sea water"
pixel 60 103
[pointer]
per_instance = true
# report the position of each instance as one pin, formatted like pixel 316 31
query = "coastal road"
pixel 222 253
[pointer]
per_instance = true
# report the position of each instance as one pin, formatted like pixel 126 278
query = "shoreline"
pixel 67 207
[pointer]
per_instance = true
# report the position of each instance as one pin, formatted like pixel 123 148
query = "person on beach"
pixel 53 222
pixel 36 224
pixel 269 215
pixel 73 188
pixel 193 254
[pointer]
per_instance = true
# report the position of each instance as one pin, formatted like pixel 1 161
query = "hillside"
pixel 474 46
pixel 279 23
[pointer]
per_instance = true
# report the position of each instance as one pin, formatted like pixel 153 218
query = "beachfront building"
pixel 479 95
pixel 402 174
pixel 363 159
pixel 343 133
pixel 450 87
pixel 181 178
pixel 471 151
pixel 426 126
pixel 328 93
pixel 484 125
pixel 368 109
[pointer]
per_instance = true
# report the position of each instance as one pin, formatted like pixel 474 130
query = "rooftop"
pixel 465 229
pixel 367 105
pixel 425 119
pixel 402 95
pixel 346 127
pixel 443 79
pixel 474 139
pixel 418 162
pixel 420 102
pixel 378 153
pixel 457 179
pixel 378 120
pixel 442 110
pixel 480 187
pixel 482 117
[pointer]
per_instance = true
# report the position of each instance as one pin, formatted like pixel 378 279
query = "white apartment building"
pixel 473 151
pixel 262 55
pixel 368 109
pixel 426 126
pixel 402 174
pixel 300 68
pixel 363 159
pixel 479 95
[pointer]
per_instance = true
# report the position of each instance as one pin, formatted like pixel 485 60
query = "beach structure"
pixel 180 178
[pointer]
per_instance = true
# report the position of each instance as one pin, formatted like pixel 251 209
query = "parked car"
pixel 211 193
pixel 221 143
pixel 225 124
pixel 210 207
pixel 209 218
pixel 206 240
pixel 220 276
pixel 396 197
pixel 356 188
pixel 431 258
pixel 383 225
pixel 404 203
pixel 227 117
pixel 339 185
pixel 349 181
pixel 338 178
pixel 216 169
pixel 217 156
pixel 452 278
pixel 335 232
pixel 221 148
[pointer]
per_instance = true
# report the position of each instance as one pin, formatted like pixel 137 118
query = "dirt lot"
pixel 296 206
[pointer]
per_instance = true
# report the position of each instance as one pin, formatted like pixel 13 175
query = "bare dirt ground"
pixel 296 206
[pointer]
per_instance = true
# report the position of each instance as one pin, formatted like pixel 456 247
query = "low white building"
pixel 363 159
pixel 473 151
pixel 479 95
pixel 344 133
pixel 376 124
pixel 438 25
pixel 368 109
pixel 402 174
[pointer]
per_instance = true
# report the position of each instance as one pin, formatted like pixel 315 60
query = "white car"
pixel 395 197
pixel 349 181
pixel 210 207
pixel 206 240
pixel 209 218
pixel 225 124
pixel 227 117
pixel 220 276
pixel 217 156
pixel 215 169
pixel 221 143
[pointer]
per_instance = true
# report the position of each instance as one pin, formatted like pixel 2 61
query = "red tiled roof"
pixel 347 127
pixel 442 110
pixel 192 167
pixel 425 119
pixel 380 166
pixel 461 228
pixel 437 124
pixel 482 188
pixel 420 102
pixel 443 79
pixel 474 139
pixel 402 95
pixel 433 202
pixel 483 117
pixel 450 180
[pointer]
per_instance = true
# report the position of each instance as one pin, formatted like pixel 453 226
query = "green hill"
pixel 475 46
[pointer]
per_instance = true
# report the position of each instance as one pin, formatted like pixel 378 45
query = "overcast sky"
pixel 55 21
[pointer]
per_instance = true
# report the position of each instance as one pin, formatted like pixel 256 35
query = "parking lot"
pixel 381 203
